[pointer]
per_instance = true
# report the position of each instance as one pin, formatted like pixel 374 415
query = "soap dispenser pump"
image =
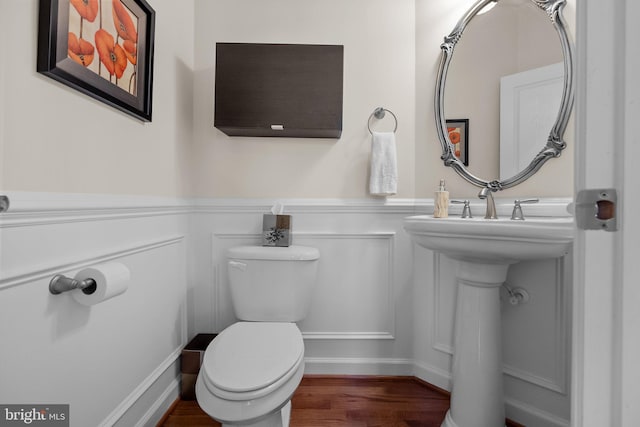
pixel 441 202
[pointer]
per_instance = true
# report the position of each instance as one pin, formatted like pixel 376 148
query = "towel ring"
pixel 379 113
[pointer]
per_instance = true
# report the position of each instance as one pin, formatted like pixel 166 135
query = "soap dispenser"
pixel 441 202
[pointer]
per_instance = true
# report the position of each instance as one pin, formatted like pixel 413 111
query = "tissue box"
pixel 276 230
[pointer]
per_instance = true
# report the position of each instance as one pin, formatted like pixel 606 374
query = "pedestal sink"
pixel 484 250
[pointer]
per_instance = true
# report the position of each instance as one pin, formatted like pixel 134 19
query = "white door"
pixel 606 346
pixel 529 106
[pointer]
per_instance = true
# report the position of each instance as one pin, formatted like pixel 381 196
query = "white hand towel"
pixel 383 180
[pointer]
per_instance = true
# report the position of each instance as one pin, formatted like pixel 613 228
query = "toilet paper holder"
pixel 60 283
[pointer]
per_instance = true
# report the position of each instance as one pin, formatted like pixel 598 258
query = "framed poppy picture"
pixel 458 132
pixel 102 48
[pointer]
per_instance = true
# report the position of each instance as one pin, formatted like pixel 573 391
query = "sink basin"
pixel 493 240
pixel 484 249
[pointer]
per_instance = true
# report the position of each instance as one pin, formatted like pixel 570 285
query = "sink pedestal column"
pixel 484 250
pixel 477 390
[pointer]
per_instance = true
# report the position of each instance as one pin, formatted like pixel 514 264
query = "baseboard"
pixel 432 375
pixel 531 416
pixel 162 406
pixel 517 412
pixel 151 398
pixel 358 366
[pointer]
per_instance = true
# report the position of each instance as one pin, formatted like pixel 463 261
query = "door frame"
pixel 606 347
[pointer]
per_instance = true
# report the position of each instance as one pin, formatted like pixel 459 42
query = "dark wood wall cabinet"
pixel 281 90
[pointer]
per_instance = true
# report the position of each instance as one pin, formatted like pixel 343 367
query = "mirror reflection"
pixel 513 41
pixel 506 75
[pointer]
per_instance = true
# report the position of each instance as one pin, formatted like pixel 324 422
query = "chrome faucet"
pixel 487 193
pixel 466 210
pixel 517 209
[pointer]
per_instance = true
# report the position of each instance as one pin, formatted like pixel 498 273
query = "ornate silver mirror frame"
pixel 555 143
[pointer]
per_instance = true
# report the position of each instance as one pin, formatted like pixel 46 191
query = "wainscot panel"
pixel 536 335
pixel 360 320
pixel 123 350
pixel 361 299
pixel 382 305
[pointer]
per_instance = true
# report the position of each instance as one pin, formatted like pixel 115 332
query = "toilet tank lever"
pixel 238 265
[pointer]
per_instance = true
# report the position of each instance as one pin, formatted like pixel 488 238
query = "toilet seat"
pixel 249 360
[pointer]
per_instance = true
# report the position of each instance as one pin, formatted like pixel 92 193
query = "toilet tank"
pixel 272 284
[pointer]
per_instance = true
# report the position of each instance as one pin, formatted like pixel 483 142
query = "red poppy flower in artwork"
pixel 80 50
pixel 131 51
pixel 111 54
pixel 123 22
pixel 88 9
pixel 454 136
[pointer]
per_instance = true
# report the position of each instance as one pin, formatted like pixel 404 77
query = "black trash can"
pixel 190 362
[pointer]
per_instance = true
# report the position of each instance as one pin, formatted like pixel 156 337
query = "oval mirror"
pixel 510 84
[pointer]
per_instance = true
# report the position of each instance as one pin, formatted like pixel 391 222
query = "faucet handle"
pixel 517 209
pixel 466 210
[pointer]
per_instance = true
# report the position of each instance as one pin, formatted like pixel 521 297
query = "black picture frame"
pixel 55 60
pixel 461 147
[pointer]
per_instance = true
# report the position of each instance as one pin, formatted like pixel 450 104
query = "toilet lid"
pixel 249 356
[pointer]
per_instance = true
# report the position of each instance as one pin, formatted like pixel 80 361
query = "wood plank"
pixel 346 401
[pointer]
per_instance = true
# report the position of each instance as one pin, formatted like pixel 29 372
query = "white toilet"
pixel 252 368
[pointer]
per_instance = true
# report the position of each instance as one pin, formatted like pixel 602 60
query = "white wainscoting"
pixel 381 304
pixel 360 300
pixel 360 317
pixel 536 335
pixel 114 363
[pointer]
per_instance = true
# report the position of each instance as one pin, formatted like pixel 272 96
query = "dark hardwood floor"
pixel 339 401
